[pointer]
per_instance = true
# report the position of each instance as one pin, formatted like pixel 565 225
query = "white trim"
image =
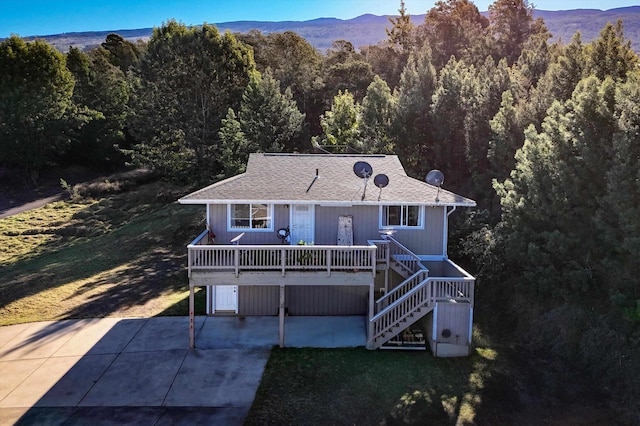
pixel 327 203
pixel 445 232
pixel 421 217
pixel 270 228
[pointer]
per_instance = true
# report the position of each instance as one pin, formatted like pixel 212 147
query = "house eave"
pixel 326 203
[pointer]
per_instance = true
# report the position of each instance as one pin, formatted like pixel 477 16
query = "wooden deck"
pixel 329 265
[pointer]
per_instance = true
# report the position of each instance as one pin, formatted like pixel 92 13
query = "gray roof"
pixel 289 178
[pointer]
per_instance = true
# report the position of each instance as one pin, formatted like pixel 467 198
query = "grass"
pixel 122 255
pixel 359 387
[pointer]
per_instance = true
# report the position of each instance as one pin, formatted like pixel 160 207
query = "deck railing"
pixel 283 258
pixel 425 294
pixel 404 257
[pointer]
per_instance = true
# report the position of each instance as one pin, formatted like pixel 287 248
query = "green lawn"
pixel 359 387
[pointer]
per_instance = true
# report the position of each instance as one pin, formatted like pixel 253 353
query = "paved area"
pixel 140 370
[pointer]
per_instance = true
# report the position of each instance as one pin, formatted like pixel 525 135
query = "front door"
pixel 302 223
pixel 226 298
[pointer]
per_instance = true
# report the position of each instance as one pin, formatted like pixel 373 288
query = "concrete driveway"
pixel 140 370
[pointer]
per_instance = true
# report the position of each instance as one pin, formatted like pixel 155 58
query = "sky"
pixel 48 17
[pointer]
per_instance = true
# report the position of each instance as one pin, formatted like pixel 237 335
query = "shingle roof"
pixel 289 178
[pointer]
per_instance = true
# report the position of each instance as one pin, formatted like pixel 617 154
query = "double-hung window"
pixel 257 217
pixel 402 216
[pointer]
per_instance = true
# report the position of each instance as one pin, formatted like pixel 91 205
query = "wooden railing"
pixel 424 295
pixel 404 257
pixel 402 289
pixel 283 258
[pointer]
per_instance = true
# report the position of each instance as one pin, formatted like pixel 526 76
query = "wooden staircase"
pixel 414 298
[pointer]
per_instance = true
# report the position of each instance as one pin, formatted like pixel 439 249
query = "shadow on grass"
pixel 356 386
pixel 137 254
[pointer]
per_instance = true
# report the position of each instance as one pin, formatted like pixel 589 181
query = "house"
pixel 316 234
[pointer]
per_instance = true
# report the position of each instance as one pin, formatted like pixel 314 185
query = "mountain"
pixel 370 29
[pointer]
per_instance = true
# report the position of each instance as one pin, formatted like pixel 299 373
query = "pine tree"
pixel 267 121
pixel 378 109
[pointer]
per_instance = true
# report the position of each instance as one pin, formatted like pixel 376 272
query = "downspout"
pixel 445 231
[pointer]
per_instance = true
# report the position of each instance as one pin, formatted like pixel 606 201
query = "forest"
pixel 544 136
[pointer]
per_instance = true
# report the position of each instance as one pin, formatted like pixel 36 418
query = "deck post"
pixel 192 335
pixel 372 313
pixel 281 315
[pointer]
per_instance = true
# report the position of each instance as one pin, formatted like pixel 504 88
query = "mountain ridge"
pixel 370 29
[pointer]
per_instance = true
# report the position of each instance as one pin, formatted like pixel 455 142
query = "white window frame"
pixel 249 228
pixel 382 218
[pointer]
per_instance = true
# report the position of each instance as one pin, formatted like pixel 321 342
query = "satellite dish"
pixel 362 169
pixel 381 181
pixel 435 178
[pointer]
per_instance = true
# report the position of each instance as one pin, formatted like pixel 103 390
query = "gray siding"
pixel 303 300
pixel 427 241
pixel 218 221
pixel 455 318
pixel 258 300
pixel 366 223
pixel 326 300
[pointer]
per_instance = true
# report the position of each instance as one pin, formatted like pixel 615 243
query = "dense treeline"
pixel 546 137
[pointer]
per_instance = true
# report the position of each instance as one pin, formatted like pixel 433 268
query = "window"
pixel 402 216
pixel 251 216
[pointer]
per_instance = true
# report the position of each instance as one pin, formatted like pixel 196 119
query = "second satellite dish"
pixel 381 181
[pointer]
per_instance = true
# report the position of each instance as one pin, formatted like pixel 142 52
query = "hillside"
pixel 370 29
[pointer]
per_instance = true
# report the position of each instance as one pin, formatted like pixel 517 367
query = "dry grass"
pixel 123 255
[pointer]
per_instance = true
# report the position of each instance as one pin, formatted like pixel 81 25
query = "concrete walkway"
pixel 140 370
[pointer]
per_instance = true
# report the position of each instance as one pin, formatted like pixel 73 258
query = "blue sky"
pixel 46 17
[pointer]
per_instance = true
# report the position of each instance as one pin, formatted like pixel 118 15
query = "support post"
pixel 192 334
pixel 371 315
pixel 281 315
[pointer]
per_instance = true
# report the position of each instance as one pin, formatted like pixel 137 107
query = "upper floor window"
pixel 402 216
pixel 251 216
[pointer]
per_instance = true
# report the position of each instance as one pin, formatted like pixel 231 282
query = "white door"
pixel 302 223
pixel 227 298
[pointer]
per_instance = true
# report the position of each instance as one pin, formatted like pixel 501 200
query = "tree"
pixel 122 53
pixel 550 199
pixel 186 83
pixel 511 23
pixel 507 138
pixel 455 28
pixel 101 97
pixel 298 66
pixel 620 225
pixel 449 114
pixel 35 103
pixel 378 109
pixel 340 125
pixel 346 70
pixel 401 35
pixel 412 129
pixel 389 57
pixel 267 121
pixel 610 55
